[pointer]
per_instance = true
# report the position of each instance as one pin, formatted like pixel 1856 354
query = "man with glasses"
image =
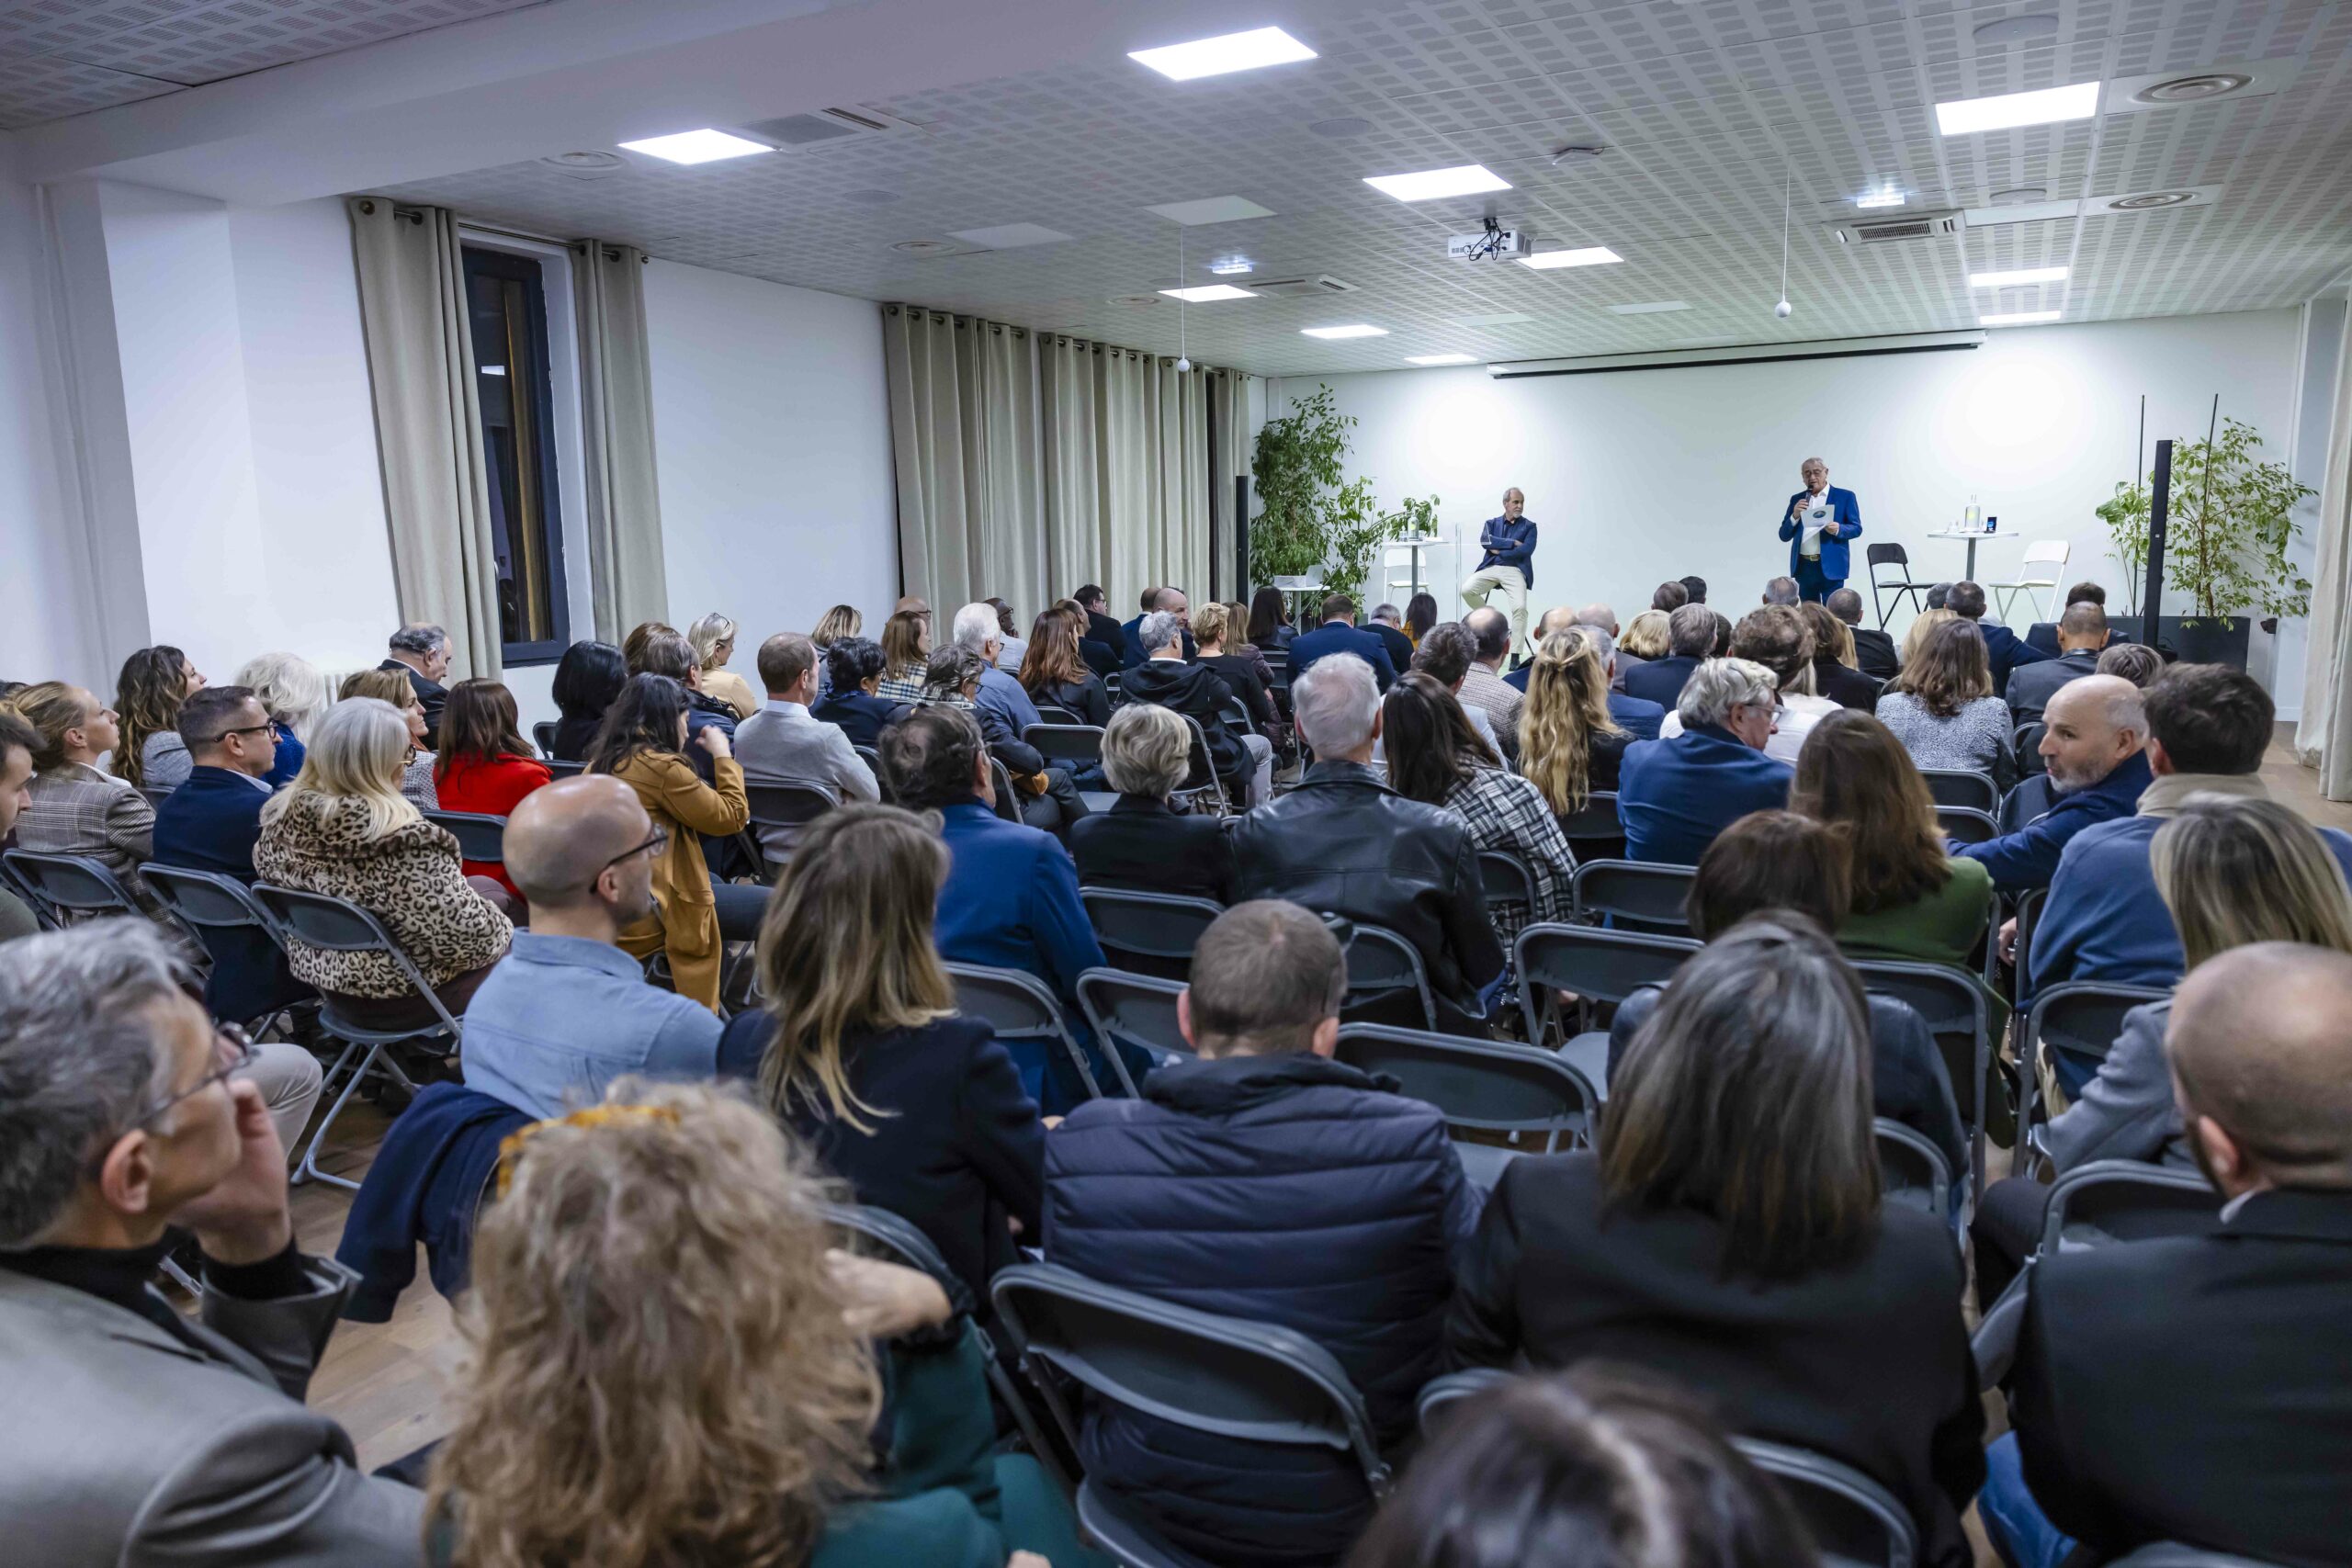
pixel 567 1011
pixel 137 1434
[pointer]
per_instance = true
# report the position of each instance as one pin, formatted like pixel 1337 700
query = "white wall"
pixel 772 424
pixel 1637 477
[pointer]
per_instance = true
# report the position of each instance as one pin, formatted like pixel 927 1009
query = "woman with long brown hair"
pixel 1568 744
pixel 154 681
pixel 1942 707
pixel 860 1051
pixel 1054 670
pixel 906 649
pixel 485 765
pixel 1435 757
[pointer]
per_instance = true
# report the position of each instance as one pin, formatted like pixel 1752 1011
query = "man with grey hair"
pixel 1141 842
pixel 1244 761
pixel 1388 624
pixel 1674 796
pixel 140 1435
pixel 421 650
pixel 1874 652
pixel 976 629
pixel 1781 591
pixel 1484 686
pixel 2094 740
pixel 1276 1185
pixel 1689 639
pixel 1344 843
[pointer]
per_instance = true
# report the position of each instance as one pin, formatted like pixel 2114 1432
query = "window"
pixel 508 305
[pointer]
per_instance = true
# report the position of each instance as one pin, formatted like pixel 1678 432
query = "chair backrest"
pixel 543 736
pixel 789 803
pixel 2045 552
pixel 1593 832
pixel 479 836
pixel 1007 806
pixel 1507 878
pixel 2029 797
pixel 1236 716
pixel 1636 895
pixel 872 760
pixel 1060 742
pixel 12 880
pixel 1962 787
pixel 335 925
pixel 1954 1011
pixel 207 900
pixel 1230 1377
pixel 558 768
pixel 2127 1199
pixel 899 1241
pixel 1483 1085
pixel 72 885
pixel 1135 1010
pixel 1054 713
pixel 1594 962
pixel 1148 933
pixel 2081 1018
pixel 1201 780
pixel 1018 1007
pixel 1382 968
pixel 1875 554
pixel 1912 1170
pixel 1853 1520
pixel 1966 824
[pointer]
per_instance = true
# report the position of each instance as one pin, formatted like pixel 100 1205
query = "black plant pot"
pixel 2205 640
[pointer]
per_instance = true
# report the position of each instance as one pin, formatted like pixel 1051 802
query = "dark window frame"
pixel 534 381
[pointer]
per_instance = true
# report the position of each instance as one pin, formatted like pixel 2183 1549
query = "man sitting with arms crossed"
pixel 1263 1180
pixel 567 1011
pixel 138 1434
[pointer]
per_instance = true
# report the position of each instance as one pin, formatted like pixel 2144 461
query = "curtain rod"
pixel 417 214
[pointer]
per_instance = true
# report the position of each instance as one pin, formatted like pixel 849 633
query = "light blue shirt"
pixel 562 1017
pixel 1006 697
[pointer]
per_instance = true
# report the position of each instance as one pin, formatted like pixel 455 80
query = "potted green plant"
pixel 1315 522
pixel 2229 521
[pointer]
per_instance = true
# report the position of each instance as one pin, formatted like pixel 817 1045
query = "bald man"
pixel 2199 1388
pixel 2093 742
pixel 567 1011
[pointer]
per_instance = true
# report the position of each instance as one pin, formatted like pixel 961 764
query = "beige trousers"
pixel 1508 582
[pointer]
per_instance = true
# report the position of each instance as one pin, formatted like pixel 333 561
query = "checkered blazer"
pixel 77 810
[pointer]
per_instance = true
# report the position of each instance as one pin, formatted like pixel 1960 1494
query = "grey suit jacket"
pixel 2126 1112
pixel 2032 685
pixel 126 1447
pixel 783 741
pixel 78 810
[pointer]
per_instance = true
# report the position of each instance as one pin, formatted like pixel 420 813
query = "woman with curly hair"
pixel 669 1364
pixel 1568 744
pixel 154 681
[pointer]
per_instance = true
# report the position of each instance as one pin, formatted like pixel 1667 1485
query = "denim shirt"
pixel 562 1017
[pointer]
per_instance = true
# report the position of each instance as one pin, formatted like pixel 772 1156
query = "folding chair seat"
pixel 1148 933
pixel 560 768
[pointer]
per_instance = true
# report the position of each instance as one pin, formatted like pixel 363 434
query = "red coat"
pixel 487 789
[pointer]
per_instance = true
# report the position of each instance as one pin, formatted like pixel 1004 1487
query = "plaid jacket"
pixel 1506 812
pixel 1500 701
pixel 77 810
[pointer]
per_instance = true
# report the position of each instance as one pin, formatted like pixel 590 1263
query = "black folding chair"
pixel 1855 1521
pixel 1966 825
pixel 2027 742
pixel 872 760
pixel 1601 968
pixel 1134 1009
pixel 1507 879
pixel 1148 933
pixel 1914 1172
pixel 2027 799
pixel 1008 806
pixel 2082 1018
pixel 1962 787
pixel 1954 1008
pixel 1018 1007
pixel 1252 1382
pixel 543 736
pixel 1074 744
pixel 1201 780
pixel 1877 556
pixel 1053 713
pixel 1385 978
pixel 480 837
pixel 1483 1086
pixel 558 768
pixel 67 888
pixel 1593 831
pixel 1635 895
pixel 333 925
pixel 1236 715
pixel 14 881
pixel 206 902
pixel 783 808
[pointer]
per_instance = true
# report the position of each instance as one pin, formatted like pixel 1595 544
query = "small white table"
pixel 1306 596
pixel 1974 538
pixel 1415 582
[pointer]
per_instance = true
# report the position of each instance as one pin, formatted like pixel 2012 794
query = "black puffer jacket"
pixel 1198 692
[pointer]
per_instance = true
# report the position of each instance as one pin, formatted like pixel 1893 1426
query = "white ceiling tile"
pixel 1211 209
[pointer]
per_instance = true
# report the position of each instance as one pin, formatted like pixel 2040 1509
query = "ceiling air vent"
pixel 1294 288
pixel 820 126
pixel 1887 230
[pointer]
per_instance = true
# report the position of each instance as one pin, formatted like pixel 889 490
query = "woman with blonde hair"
pixel 841 621
pixel 1243 668
pixel 148 692
pixel 862 1054
pixel 906 650
pixel 1568 744
pixel 1647 637
pixel 1916 635
pixel 72 807
pixel 1941 705
pixel 713 640
pixel 343 828
pixel 294 695
pixel 393 687
pixel 669 1364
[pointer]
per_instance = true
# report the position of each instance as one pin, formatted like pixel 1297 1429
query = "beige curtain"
pixel 428 425
pixel 2324 732
pixel 624 500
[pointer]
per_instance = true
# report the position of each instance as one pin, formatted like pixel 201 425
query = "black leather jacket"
pixel 1343 842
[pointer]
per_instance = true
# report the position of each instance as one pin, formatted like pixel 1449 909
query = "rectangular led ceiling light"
pixel 1654 308
pixel 1879 199
pixel 1500 319
pixel 1354 328
pixel 1588 255
pixel 1440 359
pixel 2018 319
pixel 1208 292
pixel 2048 106
pixel 1211 209
pixel 2020 275
pixel 1009 236
pixel 696 147
pixel 1220 56
pixel 1466 179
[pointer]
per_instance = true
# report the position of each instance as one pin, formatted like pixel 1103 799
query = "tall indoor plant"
pixel 1315 522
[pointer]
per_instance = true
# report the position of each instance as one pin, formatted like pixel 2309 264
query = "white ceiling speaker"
pixel 2152 200
pixel 922 247
pixel 2195 88
pixel 584 160
pixel 2204 84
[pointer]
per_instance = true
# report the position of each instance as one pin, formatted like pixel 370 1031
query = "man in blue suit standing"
pixel 1507 565
pixel 1338 634
pixel 1819 521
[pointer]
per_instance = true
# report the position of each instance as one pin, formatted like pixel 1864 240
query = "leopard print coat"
pixel 408 879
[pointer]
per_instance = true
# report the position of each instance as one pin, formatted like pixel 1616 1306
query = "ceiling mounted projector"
pixel 1495 243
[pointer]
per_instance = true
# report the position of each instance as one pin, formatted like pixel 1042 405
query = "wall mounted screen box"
pixel 1676 358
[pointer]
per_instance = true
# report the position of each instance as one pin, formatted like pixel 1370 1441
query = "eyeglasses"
pixel 654 845
pixel 232 1051
pixel 247 729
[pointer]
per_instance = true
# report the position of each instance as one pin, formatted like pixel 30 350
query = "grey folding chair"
pixel 1254 1382
pixel 1018 1007
pixel 1914 1172
pixel 1236 712
pixel 207 901
pixel 1134 1009
pixel 15 882
pixel 1008 806
pixel 1965 824
pixel 1148 933
pixel 1442 1397
pixel 1593 832
pixel 479 836
pixel 1635 895
pixel 2082 1018
pixel 333 925
pixel 1386 976
pixel 1962 787
pixel 543 736
pixel 1855 1521
pixel 1879 555
pixel 2027 799
pixel 1954 1008
pixel 1483 1086
pixel 786 805
pixel 71 888
pixel 1201 781
pixel 1602 966
pixel 562 768
pixel 1507 879
pixel 1053 713
pixel 1075 743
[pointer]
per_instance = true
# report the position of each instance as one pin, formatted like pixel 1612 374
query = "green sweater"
pixel 1942 927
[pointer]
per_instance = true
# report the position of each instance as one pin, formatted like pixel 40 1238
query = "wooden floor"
pixel 385 1381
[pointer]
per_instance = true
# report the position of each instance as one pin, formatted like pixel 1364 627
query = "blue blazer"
pixel 2028 858
pixel 1337 636
pixel 211 823
pixel 1514 546
pixel 1844 512
pixel 1675 796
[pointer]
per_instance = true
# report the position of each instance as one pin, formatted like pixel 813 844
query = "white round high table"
pixel 1974 538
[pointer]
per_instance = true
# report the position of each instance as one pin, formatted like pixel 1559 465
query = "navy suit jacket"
pixel 1131 645
pixel 1660 680
pixel 211 823
pixel 1513 543
pixel 1675 796
pixel 2006 651
pixel 1844 512
pixel 1337 636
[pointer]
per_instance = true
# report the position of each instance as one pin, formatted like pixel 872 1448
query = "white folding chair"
pixel 2050 554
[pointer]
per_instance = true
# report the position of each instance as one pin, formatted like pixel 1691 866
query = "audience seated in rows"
pixel 841 621
pixel 1691 640
pixel 147 696
pixel 713 640
pixel 2208 727
pixel 1434 757
pixel 644 744
pixel 2135 663
pixel 18 741
pixel 1054 669
pixel 75 806
pixel 1777 637
pixel 719 1396
pixel 1010 898
pixel 1171 601
pixel 1942 709
pixel 587 679
pixel 2043 634
pixel 1243 761
pixel 783 739
pixel 1446 655
pixel 861 1053
pixel 1728 1233
pixel 1836 674
pixel 1779 861
pixel 391 686
pixel 2094 754
pixel 1108 639
pixel 1240 666
pixel 125 1118
pixel 852 703
pixel 567 1013
pixel 1047 798
pixel 2231 874
pixel 1873 649
pixel 1338 634
pixel 1570 741
pixel 2005 650
pixel 485 766
pixel 1674 796
pixel 295 695
pixel 1263 1180
pixel 1141 842
pixel 1387 622
pixel 2082 638
pixel 906 654
pixel 2195 1388
pixel 421 652
pixel 1595 1465
pixel 1638 718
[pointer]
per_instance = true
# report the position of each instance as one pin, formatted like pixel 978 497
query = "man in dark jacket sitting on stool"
pixel 1263 1180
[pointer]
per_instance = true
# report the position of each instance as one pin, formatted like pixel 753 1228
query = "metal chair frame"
pixel 480 835
pixel 1646 893
pixel 1471 1082
pixel 1962 787
pixel 1122 918
pixel 1042 1019
pixel 1905 1151
pixel 2050 1022
pixel 1112 1000
pixel 1966 825
pixel 1923 986
pixel 43 875
pixel 1617 964
pixel 1381 963
pixel 1885 554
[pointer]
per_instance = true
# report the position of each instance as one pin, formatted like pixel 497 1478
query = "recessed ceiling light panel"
pixel 1223 55
pixel 1654 308
pixel 1211 209
pixel 1208 292
pixel 2018 319
pixel 1232 266
pixel 696 147
pixel 1440 359
pixel 1430 185
pixel 1879 199
pixel 2017 278
pixel 2045 106
pixel 1586 256
pixel 1353 329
